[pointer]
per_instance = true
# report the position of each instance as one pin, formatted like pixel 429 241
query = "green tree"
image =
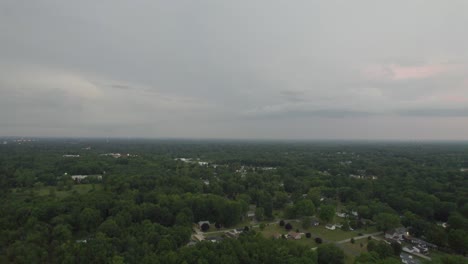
pixel 89 219
pixel 327 212
pixel 330 254
pixel 110 228
pixel 386 221
pixel 305 207
pixel 306 222
pixel 458 240
pixel 259 213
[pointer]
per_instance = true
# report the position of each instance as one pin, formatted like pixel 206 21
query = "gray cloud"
pixel 243 69
pixel 461 112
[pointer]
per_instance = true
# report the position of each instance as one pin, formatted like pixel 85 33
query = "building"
pixel 408 259
pixel 294 235
pixel 411 249
pixel 397 234
pixel 201 223
pixel 342 215
pixel 199 237
pixel 79 178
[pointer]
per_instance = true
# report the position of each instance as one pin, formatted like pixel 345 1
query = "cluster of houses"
pixel 70 156
pixel 346 163
pixel 22 140
pixel 345 215
pixel 412 244
pixel 117 155
pixel 363 177
pixel 189 160
pixel 333 226
pixel 79 178
pixel 205 225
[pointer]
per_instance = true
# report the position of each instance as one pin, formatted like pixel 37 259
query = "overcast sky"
pixel 235 69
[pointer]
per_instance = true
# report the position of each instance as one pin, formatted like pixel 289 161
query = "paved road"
pixel 355 238
pixel 358 237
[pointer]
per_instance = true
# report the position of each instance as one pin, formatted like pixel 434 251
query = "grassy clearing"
pixel 355 249
pixel 320 231
pixel 331 235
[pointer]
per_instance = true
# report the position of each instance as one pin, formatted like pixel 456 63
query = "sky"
pixel 245 69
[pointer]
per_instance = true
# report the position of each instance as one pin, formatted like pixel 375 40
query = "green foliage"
pixel 304 207
pixel 306 222
pixel 382 250
pixel 458 240
pixel 448 259
pixel 330 254
pixel 259 213
pixel 327 212
pixel 143 209
pixel 386 221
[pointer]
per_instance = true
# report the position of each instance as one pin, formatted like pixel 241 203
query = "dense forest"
pixel 139 201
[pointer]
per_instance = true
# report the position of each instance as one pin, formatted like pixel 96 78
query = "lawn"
pixel 354 249
pixel 320 231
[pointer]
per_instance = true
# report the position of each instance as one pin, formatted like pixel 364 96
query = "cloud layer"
pixel 243 69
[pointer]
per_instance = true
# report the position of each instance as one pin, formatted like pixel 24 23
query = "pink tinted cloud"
pixel 417 72
pixel 398 72
pixel 455 99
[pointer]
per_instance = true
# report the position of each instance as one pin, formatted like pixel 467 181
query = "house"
pixel 294 235
pixel 232 234
pixel 330 227
pixel 397 234
pixel 423 249
pixel 420 243
pixel 411 249
pixel 114 155
pixel 315 223
pixel 70 156
pixel 408 259
pixel 444 224
pixel 342 215
pixel 79 178
pixel 201 223
pixel 199 237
